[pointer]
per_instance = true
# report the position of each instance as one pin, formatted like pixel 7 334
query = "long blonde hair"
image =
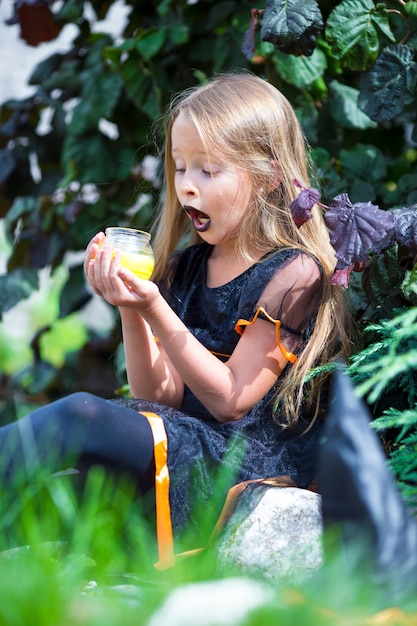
pixel 254 127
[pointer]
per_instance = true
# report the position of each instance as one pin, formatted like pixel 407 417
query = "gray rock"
pixel 215 603
pixel 274 532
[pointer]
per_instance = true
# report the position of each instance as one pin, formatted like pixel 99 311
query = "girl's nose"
pixel 188 186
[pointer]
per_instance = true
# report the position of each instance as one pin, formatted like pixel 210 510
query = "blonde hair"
pixel 255 128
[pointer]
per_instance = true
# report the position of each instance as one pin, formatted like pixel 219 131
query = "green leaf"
pixel 352 30
pixel 128 45
pixel 65 336
pixel 163 7
pixel 365 162
pixel 361 189
pixel 327 173
pixel 407 183
pixel 389 85
pixel 381 277
pixel 410 7
pixel 412 197
pixel 344 107
pixel 409 285
pixel 95 158
pixel 300 71
pixel 101 93
pixel 178 33
pixel 222 13
pixel 113 54
pixel 150 43
pixel 66 77
pixel 98 42
pixel 41 375
pixel 7 164
pixel 26 205
pixel 74 293
pixel 141 88
pixel 292 25
pixel 16 286
pixel 223 50
pixel 44 69
pixel 70 11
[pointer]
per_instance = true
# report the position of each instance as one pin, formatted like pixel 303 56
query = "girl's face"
pixel 214 193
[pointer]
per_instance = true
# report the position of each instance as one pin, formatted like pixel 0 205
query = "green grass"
pixel 82 554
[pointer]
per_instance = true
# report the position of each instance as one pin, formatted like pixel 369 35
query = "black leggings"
pixel 79 429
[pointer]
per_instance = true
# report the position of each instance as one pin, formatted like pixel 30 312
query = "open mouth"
pixel 200 220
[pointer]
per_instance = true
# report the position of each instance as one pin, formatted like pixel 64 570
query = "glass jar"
pixel 135 247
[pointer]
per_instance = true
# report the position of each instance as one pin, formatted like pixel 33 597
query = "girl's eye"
pixel 212 172
pixel 180 169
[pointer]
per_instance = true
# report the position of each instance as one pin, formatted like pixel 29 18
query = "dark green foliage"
pixel 15 286
pixel 386 373
pixel 394 355
pixel 292 26
pixel 356 31
pixel 390 84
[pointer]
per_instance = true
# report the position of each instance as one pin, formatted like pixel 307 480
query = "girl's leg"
pixel 81 428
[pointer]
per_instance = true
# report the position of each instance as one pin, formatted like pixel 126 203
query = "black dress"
pixel 197 443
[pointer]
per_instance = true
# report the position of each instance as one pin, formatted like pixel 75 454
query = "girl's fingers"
pixel 91 249
pixel 106 279
pixel 141 291
pixel 97 270
pixel 117 285
pixel 89 273
pixel 101 269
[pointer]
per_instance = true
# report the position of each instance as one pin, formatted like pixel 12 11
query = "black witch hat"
pixel 360 497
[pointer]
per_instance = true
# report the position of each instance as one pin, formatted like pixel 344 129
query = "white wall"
pixel 17 59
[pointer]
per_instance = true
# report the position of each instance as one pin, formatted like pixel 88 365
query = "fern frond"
pixel 386 369
pixel 392 357
pixel 393 418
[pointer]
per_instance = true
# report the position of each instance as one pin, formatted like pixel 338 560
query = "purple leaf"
pixel 302 205
pixel 72 209
pixel 341 276
pixel 405 224
pixel 248 45
pixel 357 229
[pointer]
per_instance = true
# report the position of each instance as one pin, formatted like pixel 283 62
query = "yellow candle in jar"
pixel 140 264
pixel 135 249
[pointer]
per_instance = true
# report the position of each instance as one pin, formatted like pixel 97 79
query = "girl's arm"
pixel 150 373
pixel 228 390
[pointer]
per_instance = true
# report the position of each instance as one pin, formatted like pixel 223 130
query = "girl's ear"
pixel 276 175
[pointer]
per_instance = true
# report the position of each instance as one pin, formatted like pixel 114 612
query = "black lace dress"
pixel 198 444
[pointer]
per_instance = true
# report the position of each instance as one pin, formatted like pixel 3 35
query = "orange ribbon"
pixel 238 328
pixel 163 509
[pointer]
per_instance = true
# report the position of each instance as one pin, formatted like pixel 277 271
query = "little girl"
pixel 219 343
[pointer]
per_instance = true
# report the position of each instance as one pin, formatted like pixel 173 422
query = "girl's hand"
pixel 117 285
